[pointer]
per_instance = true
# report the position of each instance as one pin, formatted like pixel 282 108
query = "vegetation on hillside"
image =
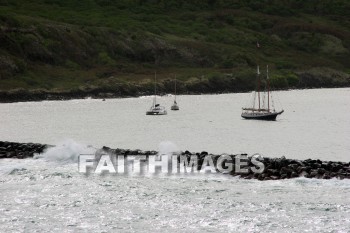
pixel 115 46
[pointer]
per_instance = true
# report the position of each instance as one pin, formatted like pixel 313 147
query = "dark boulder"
pixel 293 166
pixel 321 171
pixel 187 153
pixel 261 176
pixel 313 174
pixel 11 154
pixel 284 176
pixel 286 171
pixel 315 165
pixel 106 148
pixel 273 172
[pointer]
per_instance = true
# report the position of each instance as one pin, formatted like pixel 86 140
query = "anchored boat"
pixel 156 109
pixel 263 110
pixel 175 106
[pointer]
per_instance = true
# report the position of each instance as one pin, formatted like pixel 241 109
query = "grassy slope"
pixel 210 45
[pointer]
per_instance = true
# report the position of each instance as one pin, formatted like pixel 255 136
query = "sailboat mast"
pixel 258 75
pixel 155 87
pixel 268 88
pixel 175 87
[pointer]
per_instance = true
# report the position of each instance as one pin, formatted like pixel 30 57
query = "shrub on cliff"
pixel 279 81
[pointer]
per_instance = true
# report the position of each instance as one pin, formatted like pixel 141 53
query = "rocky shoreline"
pixel 21 95
pixel 275 168
pixel 36 96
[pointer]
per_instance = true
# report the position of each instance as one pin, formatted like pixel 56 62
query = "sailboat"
pixel 261 112
pixel 156 109
pixel 175 106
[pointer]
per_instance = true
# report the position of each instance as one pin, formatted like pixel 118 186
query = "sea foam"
pixel 168 148
pixel 67 151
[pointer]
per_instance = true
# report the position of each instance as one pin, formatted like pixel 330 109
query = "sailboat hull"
pixel 270 116
pixel 156 112
pixel 175 107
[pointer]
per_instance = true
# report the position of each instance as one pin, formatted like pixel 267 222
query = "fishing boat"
pixel 156 109
pixel 263 110
pixel 175 106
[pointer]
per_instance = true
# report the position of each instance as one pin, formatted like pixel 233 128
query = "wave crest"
pixel 67 151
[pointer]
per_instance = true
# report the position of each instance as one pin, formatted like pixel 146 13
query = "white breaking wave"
pixel 67 151
pixel 6 169
pixel 167 148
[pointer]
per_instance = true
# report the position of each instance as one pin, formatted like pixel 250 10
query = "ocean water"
pixel 47 194
pixel 315 124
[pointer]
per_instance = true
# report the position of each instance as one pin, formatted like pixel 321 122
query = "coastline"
pixel 43 95
pixel 275 168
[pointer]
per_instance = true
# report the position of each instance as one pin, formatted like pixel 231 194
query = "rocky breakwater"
pixel 282 168
pixel 20 150
pixel 274 168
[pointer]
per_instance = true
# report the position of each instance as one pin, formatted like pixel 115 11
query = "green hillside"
pixel 115 46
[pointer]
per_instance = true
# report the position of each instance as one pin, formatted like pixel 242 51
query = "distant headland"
pixel 65 49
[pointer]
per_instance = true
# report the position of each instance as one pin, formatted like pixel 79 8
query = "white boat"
pixel 261 111
pixel 156 109
pixel 175 106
